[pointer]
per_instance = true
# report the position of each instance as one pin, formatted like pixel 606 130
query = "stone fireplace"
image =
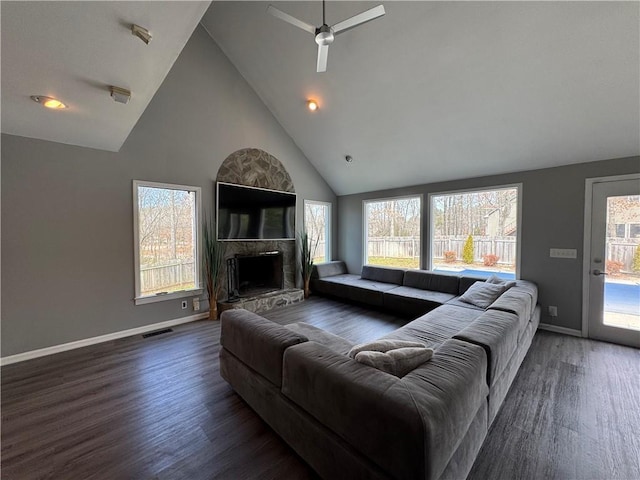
pixel 256 168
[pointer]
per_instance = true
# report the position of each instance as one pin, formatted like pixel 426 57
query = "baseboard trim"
pixel 556 329
pixel 43 352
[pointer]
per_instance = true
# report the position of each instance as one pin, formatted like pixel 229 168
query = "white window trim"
pixel 328 220
pixel 161 297
pixel 517 186
pixel 365 229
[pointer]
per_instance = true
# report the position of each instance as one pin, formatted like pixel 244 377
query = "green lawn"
pixel 395 262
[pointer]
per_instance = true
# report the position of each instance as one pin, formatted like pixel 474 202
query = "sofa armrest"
pixel 257 342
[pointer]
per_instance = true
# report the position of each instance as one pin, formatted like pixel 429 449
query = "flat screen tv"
pixel 250 213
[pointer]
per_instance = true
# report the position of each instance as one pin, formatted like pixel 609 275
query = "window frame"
pixel 328 230
pixel 160 297
pixel 517 186
pixel 365 225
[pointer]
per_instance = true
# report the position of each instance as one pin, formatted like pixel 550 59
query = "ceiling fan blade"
pixel 323 53
pixel 359 19
pixel 292 20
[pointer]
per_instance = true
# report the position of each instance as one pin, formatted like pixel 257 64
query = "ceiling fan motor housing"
pixel 324 35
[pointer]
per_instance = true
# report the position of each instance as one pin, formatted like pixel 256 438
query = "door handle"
pixel 597 272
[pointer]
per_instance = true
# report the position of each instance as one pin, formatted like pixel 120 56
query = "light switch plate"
pixel 563 253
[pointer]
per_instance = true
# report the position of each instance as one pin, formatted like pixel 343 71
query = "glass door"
pixel 614 269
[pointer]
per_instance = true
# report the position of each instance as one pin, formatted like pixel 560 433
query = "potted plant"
pixel 213 265
pixel 306 259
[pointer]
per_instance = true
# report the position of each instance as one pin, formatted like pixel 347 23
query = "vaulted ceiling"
pixel 432 91
pixel 436 91
pixel 74 51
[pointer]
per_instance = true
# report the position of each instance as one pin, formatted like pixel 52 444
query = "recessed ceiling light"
pixel 48 102
pixel 312 105
pixel 348 158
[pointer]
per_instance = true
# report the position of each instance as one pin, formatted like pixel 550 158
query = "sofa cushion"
pixel 435 327
pixel 497 332
pixel 332 285
pixel 328 269
pixel 398 361
pixel 382 274
pixel 258 342
pixel 328 339
pixel 414 301
pixel 520 300
pixel 425 280
pixel 482 294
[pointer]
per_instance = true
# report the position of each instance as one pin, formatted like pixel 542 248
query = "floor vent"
pixel 157 332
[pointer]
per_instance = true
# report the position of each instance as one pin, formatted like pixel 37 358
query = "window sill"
pixel 167 296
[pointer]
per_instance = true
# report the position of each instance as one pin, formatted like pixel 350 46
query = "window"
pixel 392 232
pixel 476 232
pixel 620 230
pixel 166 229
pixel 317 223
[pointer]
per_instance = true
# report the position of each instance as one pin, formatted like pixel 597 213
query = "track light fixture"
pixel 120 95
pixel 142 33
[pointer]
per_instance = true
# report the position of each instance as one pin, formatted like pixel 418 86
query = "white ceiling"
pixel 74 51
pixel 437 91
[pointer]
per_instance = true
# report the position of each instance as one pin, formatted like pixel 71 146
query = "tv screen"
pixel 249 213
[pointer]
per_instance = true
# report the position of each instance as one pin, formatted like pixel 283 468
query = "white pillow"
pixel 398 362
pixel 483 294
pixel 383 346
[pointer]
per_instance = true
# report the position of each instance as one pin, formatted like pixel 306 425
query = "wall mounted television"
pixel 251 213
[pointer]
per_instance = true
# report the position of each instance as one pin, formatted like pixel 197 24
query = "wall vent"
pixel 157 332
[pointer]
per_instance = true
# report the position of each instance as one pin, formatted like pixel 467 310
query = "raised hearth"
pixel 266 301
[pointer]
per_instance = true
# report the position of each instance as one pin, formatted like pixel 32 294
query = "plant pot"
pixel 307 292
pixel 213 310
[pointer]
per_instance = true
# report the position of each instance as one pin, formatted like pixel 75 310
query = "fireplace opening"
pixel 251 275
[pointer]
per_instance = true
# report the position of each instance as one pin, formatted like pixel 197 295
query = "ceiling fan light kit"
pixel 325 34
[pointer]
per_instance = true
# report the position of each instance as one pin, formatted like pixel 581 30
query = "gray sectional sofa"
pixel 350 420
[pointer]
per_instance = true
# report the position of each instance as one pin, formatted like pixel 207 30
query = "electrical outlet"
pixel 184 304
pixel 196 304
pixel 553 311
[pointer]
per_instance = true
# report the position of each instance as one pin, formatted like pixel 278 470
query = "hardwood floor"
pixel 157 408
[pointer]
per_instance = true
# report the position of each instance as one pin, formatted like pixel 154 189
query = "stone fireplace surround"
pixel 256 168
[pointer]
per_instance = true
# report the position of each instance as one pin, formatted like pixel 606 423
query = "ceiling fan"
pixel 325 35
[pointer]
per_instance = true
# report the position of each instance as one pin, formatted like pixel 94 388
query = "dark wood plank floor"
pixel 157 408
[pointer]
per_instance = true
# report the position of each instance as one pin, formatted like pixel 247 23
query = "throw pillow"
pixel 500 281
pixel 398 362
pixel 383 346
pixel 483 294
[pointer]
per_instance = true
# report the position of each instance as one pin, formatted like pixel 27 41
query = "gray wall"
pixel 67 221
pixel 552 216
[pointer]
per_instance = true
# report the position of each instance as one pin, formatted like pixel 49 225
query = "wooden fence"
pixel 504 247
pixel 409 247
pixel 622 251
pixel 154 279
